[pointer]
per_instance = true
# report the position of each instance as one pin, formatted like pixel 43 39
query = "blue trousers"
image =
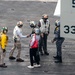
pixel 59 47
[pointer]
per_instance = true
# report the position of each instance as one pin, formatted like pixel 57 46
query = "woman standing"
pixel 34 53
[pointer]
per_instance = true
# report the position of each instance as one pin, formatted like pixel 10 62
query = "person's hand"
pixel 48 33
pixel 4 50
pixel 52 41
pixel 29 46
pixel 28 35
pixel 42 35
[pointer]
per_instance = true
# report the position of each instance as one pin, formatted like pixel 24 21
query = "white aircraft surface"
pixel 57 11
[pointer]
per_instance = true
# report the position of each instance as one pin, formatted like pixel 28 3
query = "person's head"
pixel 44 17
pixel 37 31
pixel 4 30
pixel 57 23
pixel 19 24
pixel 32 24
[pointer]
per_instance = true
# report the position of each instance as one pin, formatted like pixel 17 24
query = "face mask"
pixel 45 19
pixel 20 26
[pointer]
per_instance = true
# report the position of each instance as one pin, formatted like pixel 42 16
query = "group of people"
pixel 37 45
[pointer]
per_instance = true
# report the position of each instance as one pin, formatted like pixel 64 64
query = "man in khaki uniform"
pixel 17 35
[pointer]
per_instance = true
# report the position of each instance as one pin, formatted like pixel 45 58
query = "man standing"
pixel 59 40
pixel 3 44
pixel 17 35
pixel 44 25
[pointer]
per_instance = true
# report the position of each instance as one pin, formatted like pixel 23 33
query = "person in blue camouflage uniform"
pixel 59 40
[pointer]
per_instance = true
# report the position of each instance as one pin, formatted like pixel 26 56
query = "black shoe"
pixel 3 66
pixel 19 60
pixel 56 57
pixel 58 61
pixel 46 53
pixel 3 63
pixel 12 58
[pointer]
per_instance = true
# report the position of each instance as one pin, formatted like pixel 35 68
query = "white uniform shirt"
pixel 17 33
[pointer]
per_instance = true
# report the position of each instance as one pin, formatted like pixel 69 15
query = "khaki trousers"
pixel 2 56
pixel 18 46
